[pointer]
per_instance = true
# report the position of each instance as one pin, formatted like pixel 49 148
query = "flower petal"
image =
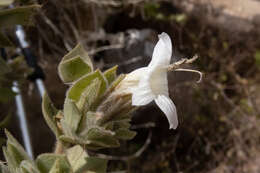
pixel 158 81
pixel 131 81
pixel 169 109
pixel 136 74
pixel 142 94
pixel 162 51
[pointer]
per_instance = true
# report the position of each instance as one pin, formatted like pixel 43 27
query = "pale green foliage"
pixel 80 85
pixel 81 162
pixel 48 162
pixel 49 113
pixel 74 160
pixel 94 116
pixel 74 65
pixel 14 153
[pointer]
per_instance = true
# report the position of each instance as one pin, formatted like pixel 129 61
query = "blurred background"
pixel 219 129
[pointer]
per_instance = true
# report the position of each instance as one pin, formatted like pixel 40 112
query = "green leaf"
pixel 76 157
pixel 45 162
pixel 6 94
pixel 17 16
pixel 76 58
pixel 89 96
pixel 68 139
pixel 6 2
pixel 72 115
pixel 4 41
pixel 79 51
pixel 125 134
pixel 56 167
pixel 96 165
pixel 78 88
pixel 88 121
pixel 12 164
pixel 67 130
pixel 101 137
pixel 49 113
pixel 81 162
pixel 72 69
pixel 110 74
pixel 28 167
pixel 113 85
pixel 14 152
pixel 122 124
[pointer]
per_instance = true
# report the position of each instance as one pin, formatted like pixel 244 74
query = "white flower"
pixel 150 83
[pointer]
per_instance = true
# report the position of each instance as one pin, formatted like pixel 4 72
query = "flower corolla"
pixel 150 83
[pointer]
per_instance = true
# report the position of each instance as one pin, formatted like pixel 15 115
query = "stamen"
pixel 177 64
pixel 190 70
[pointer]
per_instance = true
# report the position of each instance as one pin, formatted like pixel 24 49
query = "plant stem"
pixel 59 148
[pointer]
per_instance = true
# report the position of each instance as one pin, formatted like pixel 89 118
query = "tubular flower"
pixel 150 83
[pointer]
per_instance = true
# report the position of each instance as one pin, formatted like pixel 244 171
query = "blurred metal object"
pixel 20 34
pixel 22 119
pixel 37 77
pixel 41 87
pixel 31 59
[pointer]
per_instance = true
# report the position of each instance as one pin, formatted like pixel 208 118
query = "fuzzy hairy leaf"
pixel 12 164
pixel 49 113
pixel 17 16
pixel 89 96
pixel 88 121
pixel 56 167
pixel 70 136
pixel 45 162
pixel 72 69
pixel 125 134
pixel 110 74
pixel 101 137
pixel 68 139
pixel 76 157
pixel 75 64
pixel 72 115
pixel 78 88
pixel 15 150
pixel 96 165
pixel 27 166
pixel 81 162
pixel 67 130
